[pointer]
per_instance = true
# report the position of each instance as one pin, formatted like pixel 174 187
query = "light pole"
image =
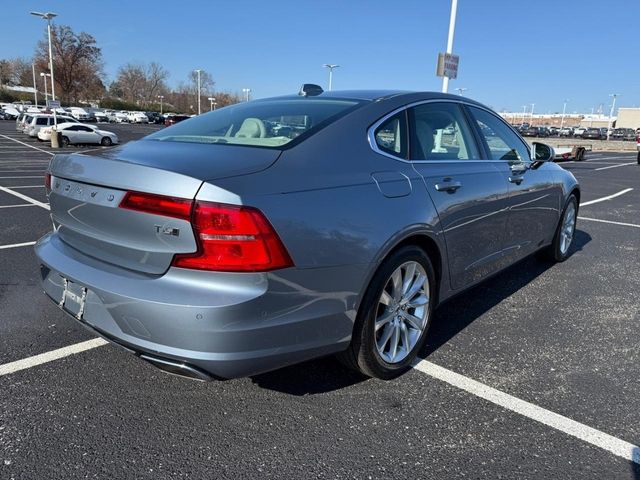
pixel 211 100
pixel 452 28
pixel 48 16
pixel 524 113
pixel 35 86
pixel 564 109
pixel 532 105
pixel 613 107
pixel 330 66
pixel 44 78
pixel 198 72
pixel 161 97
pixel 246 91
pixel 461 90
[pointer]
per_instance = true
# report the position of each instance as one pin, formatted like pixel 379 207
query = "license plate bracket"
pixel 73 299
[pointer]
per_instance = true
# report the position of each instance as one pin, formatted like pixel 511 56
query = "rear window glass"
pixel 269 123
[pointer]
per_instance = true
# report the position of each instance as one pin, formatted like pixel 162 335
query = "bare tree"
pixel 140 84
pixel 16 71
pixel 156 77
pixel 77 62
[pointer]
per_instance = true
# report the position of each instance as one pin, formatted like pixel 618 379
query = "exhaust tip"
pixel 178 368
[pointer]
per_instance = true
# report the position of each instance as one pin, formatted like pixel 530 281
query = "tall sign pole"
pixel 452 29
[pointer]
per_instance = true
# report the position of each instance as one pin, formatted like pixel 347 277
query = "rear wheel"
pixel 106 142
pixel 394 316
pixel 65 141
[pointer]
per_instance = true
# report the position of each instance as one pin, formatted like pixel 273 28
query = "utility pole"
pixel 198 72
pixel 564 109
pixel 35 86
pixel 48 16
pixel 161 97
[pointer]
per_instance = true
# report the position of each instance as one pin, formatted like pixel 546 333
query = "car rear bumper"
pixel 222 324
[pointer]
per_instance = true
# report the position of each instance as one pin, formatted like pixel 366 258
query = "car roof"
pixel 377 95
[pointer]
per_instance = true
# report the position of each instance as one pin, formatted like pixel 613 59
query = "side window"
pixel 391 136
pixel 439 131
pixel 73 128
pixel 502 142
pixel 41 121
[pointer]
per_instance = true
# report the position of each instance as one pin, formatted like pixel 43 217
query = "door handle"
pixel 517 179
pixel 448 186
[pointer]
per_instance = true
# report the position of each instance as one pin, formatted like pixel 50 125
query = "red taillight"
pixel 47 181
pixel 158 204
pixel 233 239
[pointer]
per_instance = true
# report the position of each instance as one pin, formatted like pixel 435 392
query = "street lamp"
pixel 613 107
pixel 211 102
pixel 564 109
pixel 532 105
pixel 330 66
pixel 35 86
pixel 461 91
pixel 246 92
pixel 161 97
pixel 198 72
pixel 48 16
pixel 524 113
pixel 44 78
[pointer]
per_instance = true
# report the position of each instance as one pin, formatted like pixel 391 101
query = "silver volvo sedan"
pixel 279 230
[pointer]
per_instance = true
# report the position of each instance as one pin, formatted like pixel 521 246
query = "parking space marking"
pixel 50 356
pixel 597 200
pixel 25 197
pixel 615 166
pixel 27 145
pixel 609 221
pixel 19 205
pixel 23 176
pixel 16 245
pixel 18 187
pixel 618 447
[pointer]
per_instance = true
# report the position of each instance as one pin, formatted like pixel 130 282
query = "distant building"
pixel 628 118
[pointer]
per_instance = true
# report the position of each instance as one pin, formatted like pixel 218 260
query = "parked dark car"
pixel 544 132
pixel 530 132
pixel 629 135
pixel 593 134
pixel 154 117
pixel 218 248
pixel 173 119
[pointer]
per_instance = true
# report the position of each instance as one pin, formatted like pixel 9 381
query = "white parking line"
pixel 25 176
pixel 621 192
pixel 16 245
pixel 609 221
pixel 620 448
pixel 25 197
pixel 615 166
pixel 17 187
pixel 19 205
pixel 27 145
pixel 46 357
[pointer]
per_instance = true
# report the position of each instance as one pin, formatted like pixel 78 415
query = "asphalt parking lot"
pixel 532 374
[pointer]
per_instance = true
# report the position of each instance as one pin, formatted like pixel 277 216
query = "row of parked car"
pixel 93 115
pixel 591 133
pixel 70 130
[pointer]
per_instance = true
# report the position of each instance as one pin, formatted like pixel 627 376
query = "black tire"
pixel 106 142
pixel 65 141
pixel 554 252
pixel 362 354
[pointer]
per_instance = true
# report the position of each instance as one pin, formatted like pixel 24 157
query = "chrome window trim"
pixel 371 137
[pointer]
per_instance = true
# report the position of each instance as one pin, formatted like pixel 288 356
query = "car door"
pixel 86 134
pixel 534 195
pixel 470 193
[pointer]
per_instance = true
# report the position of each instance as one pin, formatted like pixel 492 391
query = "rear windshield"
pixel 268 123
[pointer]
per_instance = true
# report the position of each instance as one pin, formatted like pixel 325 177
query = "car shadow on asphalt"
pixel 327 374
pixel 460 311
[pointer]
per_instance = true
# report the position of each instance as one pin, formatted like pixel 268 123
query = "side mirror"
pixel 541 152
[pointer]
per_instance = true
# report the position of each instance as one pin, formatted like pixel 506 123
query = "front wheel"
pixel 394 316
pixel 106 142
pixel 65 141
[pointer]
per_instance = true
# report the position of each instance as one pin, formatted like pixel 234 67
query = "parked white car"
pixel 101 116
pixel 137 117
pixel 79 113
pixel 80 133
pixel 579 131
pixel 120 117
